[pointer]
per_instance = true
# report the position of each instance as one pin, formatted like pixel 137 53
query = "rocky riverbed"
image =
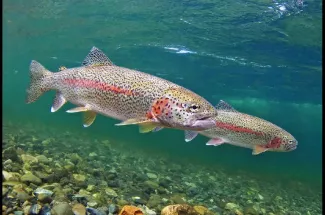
pixel 53 172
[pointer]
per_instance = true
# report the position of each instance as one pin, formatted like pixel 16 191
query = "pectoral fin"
pixel 88 118
pixel 190 135
pixel 258 150
pixel 135 121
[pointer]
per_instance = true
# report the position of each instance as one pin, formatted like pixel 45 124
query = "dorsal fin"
pixel 96 58
pixel 222 105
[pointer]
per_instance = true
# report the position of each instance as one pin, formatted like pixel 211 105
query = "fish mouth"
pixel 291 147
pixel 204 118
pixel 203 123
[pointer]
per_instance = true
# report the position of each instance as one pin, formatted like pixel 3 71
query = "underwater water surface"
pixel 262 57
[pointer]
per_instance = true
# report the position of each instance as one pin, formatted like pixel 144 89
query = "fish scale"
pixel 99 86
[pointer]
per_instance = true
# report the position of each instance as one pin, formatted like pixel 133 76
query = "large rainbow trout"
pixel 247 131
pixel 134 97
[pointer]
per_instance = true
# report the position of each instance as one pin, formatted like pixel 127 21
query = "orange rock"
pixel 130 210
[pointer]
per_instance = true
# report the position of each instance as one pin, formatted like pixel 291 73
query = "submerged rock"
pixel 110 192
pixel 92 154
pixel 164 182
pixel 46 210
pixel 11 176
pixel 4 191
pixel 233 208
pixel 62 208
pixel 79 209
pixel 154 201
pixel 30 178
pixel 11 153
pixel 113 209
pixel 151 185
pixel 179 209
pixel 35 209
pixel 93 211
pixel 138 200
pixel 151 175
pixel 131 210
pixel 91 188
pixel 42 159
pixel 28 158
pixel 177 199
pixel 40 190
pixel 79 178
pixel 22 195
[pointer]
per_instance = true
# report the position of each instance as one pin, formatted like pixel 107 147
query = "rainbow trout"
pixel 133 97
pixel 247 131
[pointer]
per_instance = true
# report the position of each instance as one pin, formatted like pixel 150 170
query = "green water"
pixel 263 61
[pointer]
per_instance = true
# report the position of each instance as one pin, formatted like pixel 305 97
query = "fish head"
pixel 283 142
pixel 183 109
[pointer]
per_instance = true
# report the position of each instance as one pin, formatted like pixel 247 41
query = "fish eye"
pixel 194 107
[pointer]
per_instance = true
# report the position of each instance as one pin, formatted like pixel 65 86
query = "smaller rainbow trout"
pixel 247 131
pixel 134 97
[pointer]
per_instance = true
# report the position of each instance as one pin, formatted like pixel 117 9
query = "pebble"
pixel 152 175
pixel 92 204
pixel 28 158
pixel 110 192
pixel 93 211
pixel 79 177
pixel 79 209
pixel 231 206
pixel 62 208
pixel 35 209
pixel 42 159
pixel 93 154
pixel 113 209
pixel 46 210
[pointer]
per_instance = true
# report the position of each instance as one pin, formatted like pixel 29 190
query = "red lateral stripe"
pixel 233 127
pixel 98 85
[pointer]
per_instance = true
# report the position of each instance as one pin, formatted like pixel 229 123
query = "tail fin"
pixel 37 84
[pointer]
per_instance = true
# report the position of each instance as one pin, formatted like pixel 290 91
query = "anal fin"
pixel 88 118
pixel 58 102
